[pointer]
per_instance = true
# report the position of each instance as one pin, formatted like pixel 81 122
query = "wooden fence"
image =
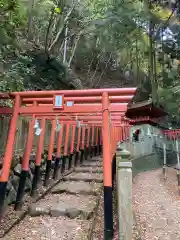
pixel 22 133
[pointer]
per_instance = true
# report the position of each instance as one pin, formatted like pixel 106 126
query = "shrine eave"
pixel 150 122
pixel 146 108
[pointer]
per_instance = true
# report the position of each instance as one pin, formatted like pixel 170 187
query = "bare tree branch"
pixel 61 29
pixel 48 30
pixel 103 71
pixel 74 48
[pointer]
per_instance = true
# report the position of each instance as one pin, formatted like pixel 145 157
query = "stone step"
pixel 86 177
pixel 71 187
pixel 72 206
pixel 88 169
pixel 45 227
pixel 97 158
pixel 92 164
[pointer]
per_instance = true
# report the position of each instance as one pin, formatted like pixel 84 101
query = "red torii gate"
pixel 92 107
pixel 172 134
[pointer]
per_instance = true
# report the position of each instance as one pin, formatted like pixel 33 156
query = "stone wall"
pixel 146 163
pixel 15 172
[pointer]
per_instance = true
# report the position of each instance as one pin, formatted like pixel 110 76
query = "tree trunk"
pixel 30 20
pixel 65 45
pixel 155 71
pixel 137 65
pixel 151 63
pixel 74 49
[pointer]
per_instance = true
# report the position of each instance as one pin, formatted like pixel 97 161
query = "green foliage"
pixel 40 40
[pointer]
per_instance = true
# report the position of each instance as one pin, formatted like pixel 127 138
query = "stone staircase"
pixel 67 211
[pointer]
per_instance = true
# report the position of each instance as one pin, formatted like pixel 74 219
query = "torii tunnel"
pixel 172 134
pixel 99 111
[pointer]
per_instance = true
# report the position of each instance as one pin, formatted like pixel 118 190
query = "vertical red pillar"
pixel 88 143
pixel 113 155
pixel 125 132
pixel 101 140
pixel 50 152
pixel 83 137
pixel 88 137
pixel 58 153
pixel 97 133
pixel 92 141
pixel 65 156
pixel 119 136
pixel 72 138
pixel 82 144
pixel 25 162
pixel 114 140
pixel 66 139
pixel 97 138
pixel 10 143
pixel 72 146
pixel 25 165
pixel 38 157
pixel 9 152
pixel 78 139
pixel 51 141
pixel 107 167
pixel 78 146
pixel 128 127
pixel 124 135
pixel 59 141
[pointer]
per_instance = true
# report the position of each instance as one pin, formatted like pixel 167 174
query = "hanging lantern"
pixel 78 124
pixel 38 131
pixel 58 126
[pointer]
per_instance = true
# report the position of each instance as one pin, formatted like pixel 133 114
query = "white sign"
pixel 69 103
pixel 36 125
pixel 58 101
